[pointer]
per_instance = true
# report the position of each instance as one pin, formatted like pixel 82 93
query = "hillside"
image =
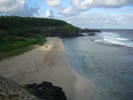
pixel 19 34
pixel 27 26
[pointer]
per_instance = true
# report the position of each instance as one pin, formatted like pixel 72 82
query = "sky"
pixel 97 14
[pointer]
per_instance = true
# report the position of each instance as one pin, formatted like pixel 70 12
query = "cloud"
pixel 49 13
pixel 17 7
pixel 78 6
pixel 97 20
pixel 53 3
pixel 67 11
pixel 81 5
pixel 100 3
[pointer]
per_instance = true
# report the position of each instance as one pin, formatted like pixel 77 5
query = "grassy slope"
pixel 12 45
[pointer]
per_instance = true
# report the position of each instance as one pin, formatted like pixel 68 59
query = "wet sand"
pixel 48 63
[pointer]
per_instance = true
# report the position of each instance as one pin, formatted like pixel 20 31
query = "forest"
pixel 26 26
pixel 19 33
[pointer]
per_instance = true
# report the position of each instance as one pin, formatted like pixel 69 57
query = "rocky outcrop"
pixel 91 34
pixel 90 30
pixel 46 90
pixel 10 90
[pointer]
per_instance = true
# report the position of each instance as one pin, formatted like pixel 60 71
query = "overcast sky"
pixel 81 13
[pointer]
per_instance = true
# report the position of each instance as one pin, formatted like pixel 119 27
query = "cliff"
pixel 10 90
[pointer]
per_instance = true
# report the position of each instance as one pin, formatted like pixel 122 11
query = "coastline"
pixel 48 63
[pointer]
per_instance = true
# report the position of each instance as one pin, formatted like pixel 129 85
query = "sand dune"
pixel 48 63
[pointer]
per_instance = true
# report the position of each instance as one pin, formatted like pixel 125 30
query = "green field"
pixel 11 45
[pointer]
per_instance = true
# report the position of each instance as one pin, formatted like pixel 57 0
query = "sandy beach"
pixel 48 63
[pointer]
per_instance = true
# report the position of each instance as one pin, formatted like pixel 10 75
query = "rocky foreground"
pixel 46 90
pixel 10 90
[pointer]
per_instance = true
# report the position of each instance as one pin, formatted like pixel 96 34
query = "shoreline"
pixel 48 63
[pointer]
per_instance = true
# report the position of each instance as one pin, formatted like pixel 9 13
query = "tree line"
pixel 27 26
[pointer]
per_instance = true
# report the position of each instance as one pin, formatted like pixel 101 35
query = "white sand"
pixel 48 64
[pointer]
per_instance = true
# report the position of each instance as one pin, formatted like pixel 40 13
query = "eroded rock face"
pixel 10 90
pixel 46 90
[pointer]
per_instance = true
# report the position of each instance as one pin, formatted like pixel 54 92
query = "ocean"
pixel 107 60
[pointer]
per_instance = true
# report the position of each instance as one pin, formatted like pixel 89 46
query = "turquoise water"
pixel 109 66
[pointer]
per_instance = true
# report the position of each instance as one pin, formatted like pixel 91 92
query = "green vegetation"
pixel 18 34
pixel 11 45
pixel 10 22
pixel 11 42
pixel 30 90
pixel 27 26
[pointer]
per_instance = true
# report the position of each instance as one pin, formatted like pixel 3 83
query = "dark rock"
pixel 90 30
pixel 91 34
pixel 45 84
pixel 80 34
pixel 46 90
pixel 10 90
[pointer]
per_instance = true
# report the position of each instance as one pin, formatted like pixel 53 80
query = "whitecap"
pixel 113 38
pixel 124 39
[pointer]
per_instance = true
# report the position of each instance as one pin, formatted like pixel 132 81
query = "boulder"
pixel 10 90
pixel 46 90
